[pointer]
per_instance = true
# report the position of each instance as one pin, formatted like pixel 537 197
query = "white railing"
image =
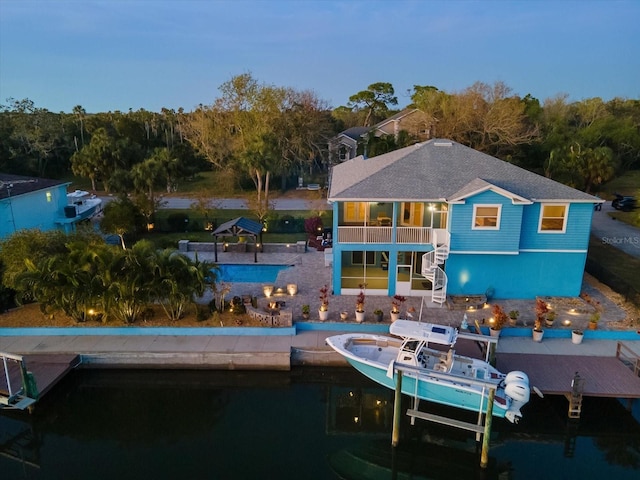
pixel 420 235
pixel 364 234
pixel 404 235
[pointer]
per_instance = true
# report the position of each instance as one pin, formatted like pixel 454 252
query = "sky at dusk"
pixel 132 54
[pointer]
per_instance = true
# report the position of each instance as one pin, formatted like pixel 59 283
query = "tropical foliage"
pixel 86 277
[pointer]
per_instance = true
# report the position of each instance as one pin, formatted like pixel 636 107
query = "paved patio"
pixel 309 273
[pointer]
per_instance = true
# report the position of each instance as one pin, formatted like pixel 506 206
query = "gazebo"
pixel 237 227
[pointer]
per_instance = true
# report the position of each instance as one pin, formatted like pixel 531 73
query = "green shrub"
pixel 178 222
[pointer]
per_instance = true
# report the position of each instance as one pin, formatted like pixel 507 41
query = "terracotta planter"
pixel 378 316
pixel 548 323
pixel 537 335
pixel 593 325
pixel 577 336
pixel 513 322
pixel 344 315
pixel 359 316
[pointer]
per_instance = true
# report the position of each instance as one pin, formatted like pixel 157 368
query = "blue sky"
pixel 122 54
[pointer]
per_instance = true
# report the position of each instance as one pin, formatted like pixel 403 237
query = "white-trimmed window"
pixel 486 217
pixel 553 218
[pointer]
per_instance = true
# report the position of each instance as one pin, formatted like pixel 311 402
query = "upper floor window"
pixel 553 219
pixel 486 217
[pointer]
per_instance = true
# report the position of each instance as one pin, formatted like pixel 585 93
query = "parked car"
pixel 624 203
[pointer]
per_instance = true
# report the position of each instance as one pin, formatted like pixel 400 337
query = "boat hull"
pixel 431 390
pixel 433 375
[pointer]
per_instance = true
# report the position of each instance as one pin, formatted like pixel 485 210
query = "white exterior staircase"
pixel 431 262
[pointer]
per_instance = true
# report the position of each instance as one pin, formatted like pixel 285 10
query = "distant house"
pixel 438 218
pixel 29 202
pixel 344 146
pixel 416 123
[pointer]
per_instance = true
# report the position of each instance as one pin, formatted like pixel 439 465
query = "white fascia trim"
pixel 564 200
pixel 481 252
pixel 551 250
pixel 407 200
pixel 515 199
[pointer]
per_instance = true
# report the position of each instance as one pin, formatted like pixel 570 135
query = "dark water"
pixel 305 424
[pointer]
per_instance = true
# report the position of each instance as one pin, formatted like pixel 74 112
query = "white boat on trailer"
pixel 433 374
pixel 82 205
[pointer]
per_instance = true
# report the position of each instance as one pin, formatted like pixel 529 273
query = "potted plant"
pixel 396 304
pixel 306 310
pixel 548 321
pixel 323 311
pixel 541 310
pixel 377 314
pixel 513 317
pixel 499 320
pixel 593 320
pixel 360 304
pixel 577 336
pixel 344 315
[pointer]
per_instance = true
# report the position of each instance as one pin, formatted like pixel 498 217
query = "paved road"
pixel 241 204
pixel 618 234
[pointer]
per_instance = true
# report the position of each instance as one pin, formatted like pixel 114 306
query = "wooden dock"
pixel 553 374
pixel 47 370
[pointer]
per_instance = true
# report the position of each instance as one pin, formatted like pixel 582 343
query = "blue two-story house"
pixel 438 218
pixel 30 202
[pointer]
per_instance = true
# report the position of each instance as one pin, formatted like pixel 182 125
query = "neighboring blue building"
pixel 438 218
pixel 29 202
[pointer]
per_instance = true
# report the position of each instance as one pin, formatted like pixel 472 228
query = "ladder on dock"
pixel 575 396
pixel 17 397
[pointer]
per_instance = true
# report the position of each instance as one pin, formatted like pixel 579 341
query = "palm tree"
pixel 178 280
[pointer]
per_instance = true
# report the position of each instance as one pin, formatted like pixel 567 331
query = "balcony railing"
pixel 364 234
pixel 361 234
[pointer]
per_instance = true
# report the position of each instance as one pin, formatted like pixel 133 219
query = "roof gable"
pixel 478 185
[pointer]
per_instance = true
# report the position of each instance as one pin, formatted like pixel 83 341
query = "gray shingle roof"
pixel 440 170
pixel 22 184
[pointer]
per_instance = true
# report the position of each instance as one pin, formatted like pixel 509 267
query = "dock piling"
pixel 397 408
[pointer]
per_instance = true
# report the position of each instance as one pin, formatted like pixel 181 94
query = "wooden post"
pixel 484 456
pixel 492 354
pixel 397 408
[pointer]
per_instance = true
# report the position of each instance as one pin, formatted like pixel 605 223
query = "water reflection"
pixel 309 423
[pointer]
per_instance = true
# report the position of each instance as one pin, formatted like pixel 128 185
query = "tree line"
pixel 257 133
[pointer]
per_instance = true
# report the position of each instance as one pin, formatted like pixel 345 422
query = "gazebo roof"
pixel 238 226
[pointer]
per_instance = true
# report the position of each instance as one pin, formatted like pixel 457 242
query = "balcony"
pixel 373 235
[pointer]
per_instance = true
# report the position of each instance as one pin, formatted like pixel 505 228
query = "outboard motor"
pixel 516 375
pixel 517 388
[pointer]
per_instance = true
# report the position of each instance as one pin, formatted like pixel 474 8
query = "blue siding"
pixel 526 275
pixel 576 236
pixel 32 210
pixel 506 239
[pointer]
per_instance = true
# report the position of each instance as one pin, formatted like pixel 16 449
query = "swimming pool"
pixel 245 273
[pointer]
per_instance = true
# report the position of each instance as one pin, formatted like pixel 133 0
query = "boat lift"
pixel 489 385
pixel 15 397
